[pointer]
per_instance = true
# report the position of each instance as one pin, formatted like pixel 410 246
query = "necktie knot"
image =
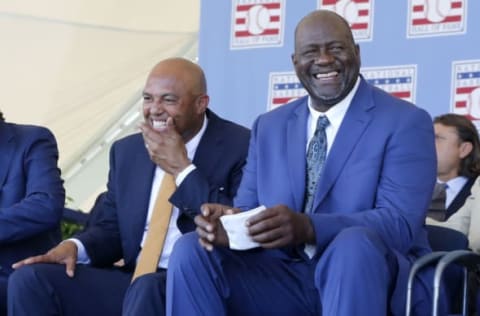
pixel 439 190
pixel 322 123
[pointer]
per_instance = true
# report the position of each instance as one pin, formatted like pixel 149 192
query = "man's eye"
pixel 336 49
pixel 309 53
pixel 147 98
pixel 170 101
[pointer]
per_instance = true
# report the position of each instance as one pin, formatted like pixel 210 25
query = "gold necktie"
pixel 157 229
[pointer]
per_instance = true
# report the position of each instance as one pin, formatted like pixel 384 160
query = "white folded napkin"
pixel 237 230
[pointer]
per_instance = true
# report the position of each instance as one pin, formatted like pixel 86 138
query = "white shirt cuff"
pixel 184 173
pixel 82 256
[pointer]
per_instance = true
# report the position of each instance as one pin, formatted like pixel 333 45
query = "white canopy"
pixel 78 67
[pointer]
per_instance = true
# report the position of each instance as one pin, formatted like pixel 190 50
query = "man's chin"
pixel 329 100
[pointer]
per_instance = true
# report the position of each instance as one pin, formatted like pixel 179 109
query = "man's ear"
pixel 202 103
pixel 294 60
pixel 465 149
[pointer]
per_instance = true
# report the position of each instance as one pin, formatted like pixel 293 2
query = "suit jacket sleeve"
pixel 34 187
pixel 404 188
pixel 216 177
pixel 101 238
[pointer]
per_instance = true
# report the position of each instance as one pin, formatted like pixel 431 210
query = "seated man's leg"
pixel 226 282
pixel 356 274
pixel 45 289
pixel 146 295
pixel 3 294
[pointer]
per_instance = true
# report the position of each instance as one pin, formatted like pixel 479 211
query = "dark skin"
pixel 327 62
pixel 326 59
pixel 174 98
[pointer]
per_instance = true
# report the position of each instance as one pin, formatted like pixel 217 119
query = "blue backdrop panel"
pixel 425 51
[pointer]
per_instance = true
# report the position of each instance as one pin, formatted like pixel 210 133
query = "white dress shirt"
pixel 173 232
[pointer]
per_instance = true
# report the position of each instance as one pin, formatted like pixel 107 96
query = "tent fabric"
pixel 78 67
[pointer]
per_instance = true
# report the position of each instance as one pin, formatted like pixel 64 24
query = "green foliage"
pixel 69 229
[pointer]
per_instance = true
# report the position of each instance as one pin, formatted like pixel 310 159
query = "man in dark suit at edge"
pixel 32 196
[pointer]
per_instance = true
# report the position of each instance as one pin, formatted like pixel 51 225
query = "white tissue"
pixel 237 230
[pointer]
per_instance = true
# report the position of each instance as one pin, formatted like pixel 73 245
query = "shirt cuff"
pixel 82 256
pixel 184 173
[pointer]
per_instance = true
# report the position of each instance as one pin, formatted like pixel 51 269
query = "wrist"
pixel 310 237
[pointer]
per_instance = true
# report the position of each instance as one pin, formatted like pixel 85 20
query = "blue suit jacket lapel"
pixel 297 142
pixel 7 145
pixel 354 124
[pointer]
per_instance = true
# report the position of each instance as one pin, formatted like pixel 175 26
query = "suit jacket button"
pixel 221 189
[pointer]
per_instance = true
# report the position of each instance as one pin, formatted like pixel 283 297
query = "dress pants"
pixel 45 289
pixel 3 295
pixel 355 275
pixel 146 295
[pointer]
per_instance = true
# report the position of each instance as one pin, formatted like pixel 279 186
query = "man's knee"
pixel 22 278
pixel 151 282
pixel 354 250
pixel 356 242
pixel 185 250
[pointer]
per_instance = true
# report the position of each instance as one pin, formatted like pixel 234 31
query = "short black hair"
pixel 2 118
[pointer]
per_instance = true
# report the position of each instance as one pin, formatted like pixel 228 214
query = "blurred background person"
pixel 458 164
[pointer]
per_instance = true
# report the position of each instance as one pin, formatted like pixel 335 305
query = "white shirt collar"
pixel 192 144
pixel 335 116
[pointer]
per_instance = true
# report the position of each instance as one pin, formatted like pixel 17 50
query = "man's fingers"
pixel 205 244
pixel 30 260
pixel 70 265
pixel 205 208
pixel 203 223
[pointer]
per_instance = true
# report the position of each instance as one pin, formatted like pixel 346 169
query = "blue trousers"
pixel 355 275
pixel 45 289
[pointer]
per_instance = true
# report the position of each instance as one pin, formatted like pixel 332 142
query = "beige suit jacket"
pixel 466 219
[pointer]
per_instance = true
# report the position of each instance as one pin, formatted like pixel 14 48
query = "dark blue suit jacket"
pixel 31 193
pixel 119 227
pixel 379 173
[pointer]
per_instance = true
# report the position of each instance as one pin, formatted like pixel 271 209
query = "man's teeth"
pixel 327 75
pixel 159 124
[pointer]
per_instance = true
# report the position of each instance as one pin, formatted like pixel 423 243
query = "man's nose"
pixel 323 56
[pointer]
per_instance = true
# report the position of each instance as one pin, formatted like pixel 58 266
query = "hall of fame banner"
pixel 257 23
pixel 283 87
pixel 399 81
pixel 466 89
pixel 436 17
pixel 358 13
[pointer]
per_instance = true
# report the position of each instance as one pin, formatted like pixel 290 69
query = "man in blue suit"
pixel 350 252
pixel 31 196
pixel 181 137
